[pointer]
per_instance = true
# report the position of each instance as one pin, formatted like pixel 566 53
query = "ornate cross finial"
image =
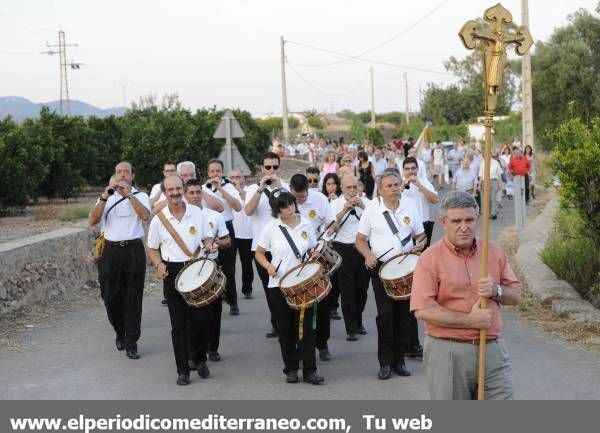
pixel 496 39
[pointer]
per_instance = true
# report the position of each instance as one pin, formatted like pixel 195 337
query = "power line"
pixel 316 89
pixel 370 50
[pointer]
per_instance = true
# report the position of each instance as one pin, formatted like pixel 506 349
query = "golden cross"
pixel 496 39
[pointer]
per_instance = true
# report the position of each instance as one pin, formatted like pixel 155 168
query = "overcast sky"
pixel 227 52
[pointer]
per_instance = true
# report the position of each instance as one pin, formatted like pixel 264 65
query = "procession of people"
pixel 363 220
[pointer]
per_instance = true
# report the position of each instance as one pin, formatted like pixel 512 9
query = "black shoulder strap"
pixel 394 229
pixel 291 242
pixel 116 203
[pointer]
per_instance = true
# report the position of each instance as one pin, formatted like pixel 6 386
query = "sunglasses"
pixel 269 167
pixel 347 160
pixel 313 180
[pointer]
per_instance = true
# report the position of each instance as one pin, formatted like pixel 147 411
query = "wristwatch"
pixel 498 293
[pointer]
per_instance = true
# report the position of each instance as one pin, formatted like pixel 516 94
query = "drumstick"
pixel 385 253
pixel 325 230
pixel 206 256
pixel 277 268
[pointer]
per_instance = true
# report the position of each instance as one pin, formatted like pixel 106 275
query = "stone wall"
pixel 45 267
pixel 541 280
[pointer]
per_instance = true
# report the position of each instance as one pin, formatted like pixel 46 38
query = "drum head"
pixel 189 278
pixel 399 266
pixel 292 278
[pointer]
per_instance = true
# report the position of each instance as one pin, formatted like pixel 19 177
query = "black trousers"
pixel 214 326
pixel 264 279
pixel 227 261
pixel 323 331
pixel 189 325
pixel 393 324
pixel 334 302
pixel 123 271
pixel 244 249
pixel 428 226
pixel 293 349
pixel 353 280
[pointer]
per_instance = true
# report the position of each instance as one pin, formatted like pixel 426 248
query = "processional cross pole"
pixel 494 37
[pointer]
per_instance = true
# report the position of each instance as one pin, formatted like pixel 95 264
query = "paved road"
pixel 76 359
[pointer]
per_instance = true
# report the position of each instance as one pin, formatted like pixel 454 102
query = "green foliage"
pixel 362 117
pixel 566 75
pixel 508 129
pixel 375 135
pixel 358 130
pixel 313 119
pixel 572 255
pixel 452 104
pixel 447 132
pixel 74 214
pixel 414 129
pixel 276 123
pixel 575 159
pixel 395 117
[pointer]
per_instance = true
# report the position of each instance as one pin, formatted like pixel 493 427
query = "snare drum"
pixel 328 258
pixel 302 290
pixel 396 275
pixel 200 288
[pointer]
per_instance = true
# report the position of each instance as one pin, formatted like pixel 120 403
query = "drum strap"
pixel 344 220
pixel 394 229
pixel 176 237
pixel 291 242
pixel 116 203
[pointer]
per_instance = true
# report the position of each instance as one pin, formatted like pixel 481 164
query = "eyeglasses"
pixel 269 167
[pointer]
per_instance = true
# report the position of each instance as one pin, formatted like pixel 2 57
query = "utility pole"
pixel 284 117
pixel 124 82
pixel 373 121
pixel 65 102
pixel 526 84
pixel 405 75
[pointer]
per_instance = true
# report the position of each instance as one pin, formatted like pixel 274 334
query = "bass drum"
pixel 396 275
pixel 303 286
pixel 200 282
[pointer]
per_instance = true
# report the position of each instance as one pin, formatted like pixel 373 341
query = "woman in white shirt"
pixel 272 238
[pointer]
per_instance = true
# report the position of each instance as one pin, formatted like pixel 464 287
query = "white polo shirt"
pixel 423 205
pixel 214 225
pixel 495 170
pixel 380 166
pixel 190 229
pixel 229 189
pixel 273 240
pixel 465 179
pixel 155 191
pixel 347 233
pixel 315 209
pixel 262 214
pixel 375 227
pixel 123 223
pixel 242 223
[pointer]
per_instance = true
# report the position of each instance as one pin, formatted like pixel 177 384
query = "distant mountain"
pixel 20 108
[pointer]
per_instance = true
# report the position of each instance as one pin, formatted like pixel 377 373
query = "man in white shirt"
pixel 422 170
pixel 438 163
pixel 454 156
pixel 314 206
pixel 227 193
pixel 388 227
pixel 257 207
pixel 352 278
pixel 242 228
pixel 495 183
pixel 189 325
pixel 124 209
pixel 169 169
pixel 215 229
pixel 379 163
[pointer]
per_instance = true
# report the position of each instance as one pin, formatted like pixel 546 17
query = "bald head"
pixel 124 172
pixel 349 185
pixel 172 187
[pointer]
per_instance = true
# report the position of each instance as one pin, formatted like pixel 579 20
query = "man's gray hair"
pixel 387 173
pixel 457 200
pixel 184 163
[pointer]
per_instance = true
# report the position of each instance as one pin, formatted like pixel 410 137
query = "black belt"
pixel 474 341
pixel 124 243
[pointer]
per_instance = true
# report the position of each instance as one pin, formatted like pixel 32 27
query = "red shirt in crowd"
pixel 519 165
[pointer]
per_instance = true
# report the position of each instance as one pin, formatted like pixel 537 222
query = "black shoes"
pixel 203 370
pixel 415 352
pixel 272 333
pixel 400 370
pixel 164 302
pixel 335 315
pixel 313 378
pixel 214 356
pixel 493 217
pixel 183 379
pixel 119 344
pixel 248 295
pixel 132 353
pixel 361 330
pixel 234 310
pixel 291 376
pixel 385 372
pixel 351 337
pixel 324 354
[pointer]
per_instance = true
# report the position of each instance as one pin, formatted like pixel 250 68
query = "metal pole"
pixel 528 137
pixel 284 118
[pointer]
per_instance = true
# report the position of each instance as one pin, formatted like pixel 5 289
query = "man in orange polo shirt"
pixel 447 284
